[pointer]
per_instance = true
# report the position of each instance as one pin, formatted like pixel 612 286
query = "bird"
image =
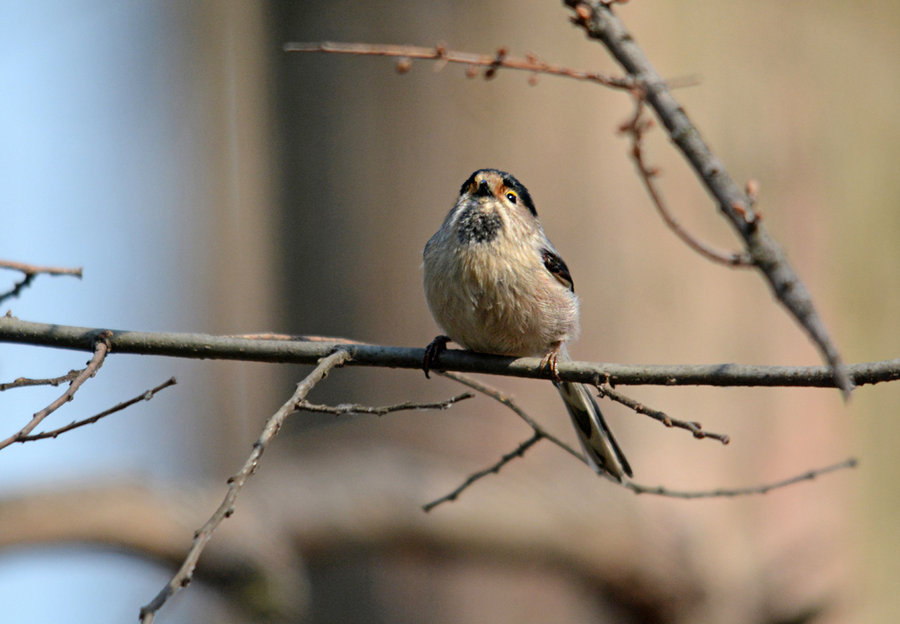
pixel 494 283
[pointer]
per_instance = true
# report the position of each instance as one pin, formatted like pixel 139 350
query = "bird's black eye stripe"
pixel 521 192
pixel 523 197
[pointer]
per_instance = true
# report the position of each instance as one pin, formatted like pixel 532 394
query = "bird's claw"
pixel 432 352
pixel 550 363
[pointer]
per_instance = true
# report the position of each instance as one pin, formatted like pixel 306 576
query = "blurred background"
pixel 208 181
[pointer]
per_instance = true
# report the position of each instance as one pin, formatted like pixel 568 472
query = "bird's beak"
pixel 483 190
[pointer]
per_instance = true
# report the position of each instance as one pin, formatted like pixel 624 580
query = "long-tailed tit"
pixel 495 284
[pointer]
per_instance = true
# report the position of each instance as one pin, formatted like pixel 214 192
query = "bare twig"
pixel 101 348
pixel 24 382
pixel 183 577
pixel 519 451
pixel 18 287
pixel 347 408
pixel 500 397
pixel 31 271
pixel 637 488
pixel 635 128
pixel 726 493
pixel 146 396
pixel 504 399
pixel 36 268
pixel 207 346
pixel 599 22
pixel 694 427
pixel 440 53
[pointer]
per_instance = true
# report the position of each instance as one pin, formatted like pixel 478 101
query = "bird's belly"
pixel 494 309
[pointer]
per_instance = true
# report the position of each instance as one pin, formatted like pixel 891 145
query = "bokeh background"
pixel 207 181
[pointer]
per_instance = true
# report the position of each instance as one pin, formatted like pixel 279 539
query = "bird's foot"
pixel 432 352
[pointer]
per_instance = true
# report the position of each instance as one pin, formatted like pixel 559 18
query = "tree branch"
pixel 440 53
pixel 304 351
pixel 540 433
pixel 600 23
pixel 635 128
pixel 24 382
pixel 145 396
pixel 494 468
pixel 184 575
pixel 101 349
pixel 694 427
pixel 31 271
pixel 729 492
pixel 346 408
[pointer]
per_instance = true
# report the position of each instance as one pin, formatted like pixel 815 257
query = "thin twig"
pixel 637 488
pixel 101 348
pixel 18 287
pixel 494 468
pixel 726 493
pixel 440 53
pixel 24 382
pixel 31 271
pixel 539 434
pixel 208 346
pixel 599 22
pixel 348 408
pixel 694 427
pixel 185 573
pixel 635 128
pixel 146 396
pixel 506 400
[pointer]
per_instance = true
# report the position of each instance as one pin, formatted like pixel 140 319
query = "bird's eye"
pixel 512 197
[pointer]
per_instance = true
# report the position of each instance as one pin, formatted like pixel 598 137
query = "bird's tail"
pixel 600 447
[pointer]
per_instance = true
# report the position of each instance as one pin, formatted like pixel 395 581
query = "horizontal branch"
pixel 304 351
pixel 809 475
pixel 31 271
pixel 440 53
pixel 34 269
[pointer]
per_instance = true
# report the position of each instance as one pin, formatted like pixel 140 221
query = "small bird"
pixel 496 284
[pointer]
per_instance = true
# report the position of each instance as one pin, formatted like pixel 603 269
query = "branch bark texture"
pixel 305 351
pixel 599 22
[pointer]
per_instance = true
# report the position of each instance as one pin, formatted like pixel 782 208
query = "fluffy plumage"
pixel 495 284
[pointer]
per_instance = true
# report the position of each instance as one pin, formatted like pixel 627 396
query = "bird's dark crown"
pixel 508 180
